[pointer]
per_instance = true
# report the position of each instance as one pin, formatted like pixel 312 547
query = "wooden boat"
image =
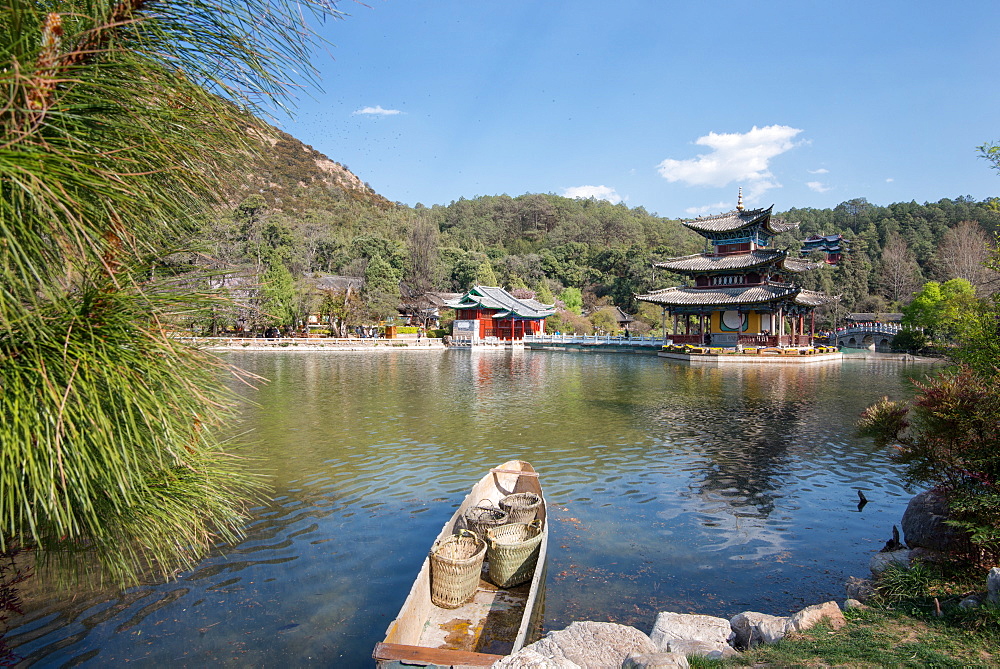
pixel 496 623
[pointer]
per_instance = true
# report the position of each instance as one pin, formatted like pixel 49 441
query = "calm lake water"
pixel 671 488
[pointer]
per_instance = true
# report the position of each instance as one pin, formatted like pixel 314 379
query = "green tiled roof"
pixel 499 300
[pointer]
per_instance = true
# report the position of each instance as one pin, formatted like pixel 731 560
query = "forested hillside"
pixel 303 215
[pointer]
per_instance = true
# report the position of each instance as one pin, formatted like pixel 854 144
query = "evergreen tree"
pixel 278 296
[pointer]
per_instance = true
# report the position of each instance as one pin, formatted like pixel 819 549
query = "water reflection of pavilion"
pixel 745 430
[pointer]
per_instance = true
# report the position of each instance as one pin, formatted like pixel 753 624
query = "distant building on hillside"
pixel 425 309
pixel 490 313
pixel 834 246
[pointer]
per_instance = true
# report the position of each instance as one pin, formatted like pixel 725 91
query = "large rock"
pixel 882 561
pixel 752 628
pixel 924 524
pixel 527 658
pixel 587 645
pixel 671 626
pixel 813 615
pixel 861 589
pixel 993 586
pixel 656 661
pixel 713 650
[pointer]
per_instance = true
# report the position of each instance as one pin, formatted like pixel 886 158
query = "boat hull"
pixel 496 623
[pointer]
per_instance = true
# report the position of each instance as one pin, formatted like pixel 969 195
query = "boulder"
pixel 924 524
pixel 854 604
pixel 587 645
pixel 710 649
pixel 993 586
pixel 752 628
pixel 970 602
pixel 861 589
pixel 812 615
pixel 928 555
pixel 656 661
pixel 526 658
pixel 882 561
pixel 671 626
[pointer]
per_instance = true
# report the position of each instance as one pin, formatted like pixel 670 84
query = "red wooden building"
pixel 486 312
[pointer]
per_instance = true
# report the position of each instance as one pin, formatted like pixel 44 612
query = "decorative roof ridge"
pixel 497 298
pixel 741 213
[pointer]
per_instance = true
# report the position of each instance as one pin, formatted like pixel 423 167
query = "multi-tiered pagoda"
pixel 833 246
pixel 741 294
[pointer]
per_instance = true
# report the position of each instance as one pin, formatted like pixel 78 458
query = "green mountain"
pixel 313 216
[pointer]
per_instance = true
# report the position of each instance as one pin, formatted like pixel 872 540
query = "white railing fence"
pixel 618 340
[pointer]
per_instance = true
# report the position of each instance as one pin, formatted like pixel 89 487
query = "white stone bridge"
pixel 873 335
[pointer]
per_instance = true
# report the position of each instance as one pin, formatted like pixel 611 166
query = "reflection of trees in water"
pixel 742 422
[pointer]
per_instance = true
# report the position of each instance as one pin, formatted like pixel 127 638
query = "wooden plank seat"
pixel 432 656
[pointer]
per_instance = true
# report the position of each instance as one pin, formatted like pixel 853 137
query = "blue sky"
pixel 668 105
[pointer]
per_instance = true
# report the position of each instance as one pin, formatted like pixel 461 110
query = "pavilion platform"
pixel 706 357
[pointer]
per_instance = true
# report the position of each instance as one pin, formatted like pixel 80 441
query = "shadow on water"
pixel 670 488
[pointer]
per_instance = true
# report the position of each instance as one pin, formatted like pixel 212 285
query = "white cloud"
pixel 889 180
pixel 821 170
pixel 597 192
pixel 735 157
pixel 378 111
pixel 709 209
pixel 817 186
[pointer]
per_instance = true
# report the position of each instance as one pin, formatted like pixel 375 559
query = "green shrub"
pixel 899 583
pixel 909 341
pixel 950 438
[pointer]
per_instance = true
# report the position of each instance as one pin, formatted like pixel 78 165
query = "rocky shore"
pixel 676 636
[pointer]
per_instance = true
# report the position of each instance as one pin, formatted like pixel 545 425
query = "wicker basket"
pixel 521 507
pixel 512 551
pixel 483 516
pixel 456 564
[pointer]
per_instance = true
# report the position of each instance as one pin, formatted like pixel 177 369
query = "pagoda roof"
pixel 499 300
pixel 738 220
pixel 830 238
pixel 704 262
pixel 811 298
pixel 796 266
pixel 685 296
pixel 736 296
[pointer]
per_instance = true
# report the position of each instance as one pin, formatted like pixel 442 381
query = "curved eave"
pixel 460 304
pixel 735 221
pixel 703 263
pixel 797 266
pixel 730 221
pixel 810 298
pixel 684 296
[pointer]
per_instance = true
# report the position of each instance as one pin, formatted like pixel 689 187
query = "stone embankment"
pixel 315 344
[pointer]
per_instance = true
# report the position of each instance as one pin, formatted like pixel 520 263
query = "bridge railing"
pixel 619 340
pixel 876 328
